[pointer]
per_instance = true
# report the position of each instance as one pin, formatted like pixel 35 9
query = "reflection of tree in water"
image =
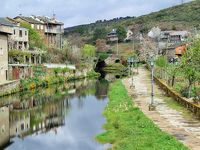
pixel 101 89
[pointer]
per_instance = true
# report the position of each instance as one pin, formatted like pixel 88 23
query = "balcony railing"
pixel 56 31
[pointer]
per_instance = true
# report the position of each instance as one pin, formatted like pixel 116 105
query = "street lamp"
pixel 131 64
pixel 151 63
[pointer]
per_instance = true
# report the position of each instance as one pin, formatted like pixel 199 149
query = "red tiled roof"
pixel 180 50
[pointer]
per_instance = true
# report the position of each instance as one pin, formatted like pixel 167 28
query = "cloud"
pixel 75 12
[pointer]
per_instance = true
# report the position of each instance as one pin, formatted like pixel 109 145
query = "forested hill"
pixel 184 16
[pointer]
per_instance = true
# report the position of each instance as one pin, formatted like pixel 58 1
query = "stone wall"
pixel 176 96
pixel 9 87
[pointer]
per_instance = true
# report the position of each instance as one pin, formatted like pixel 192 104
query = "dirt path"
pixel 186 130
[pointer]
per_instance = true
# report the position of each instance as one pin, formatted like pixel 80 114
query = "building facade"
pixel 3 54
pixel 112 36
pixel 50 29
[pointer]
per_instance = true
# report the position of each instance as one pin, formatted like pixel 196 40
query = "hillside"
pixel 184 16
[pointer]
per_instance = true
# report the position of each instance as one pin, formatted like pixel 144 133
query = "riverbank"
pixel 127 128
pixel 44 81
pixel 169 115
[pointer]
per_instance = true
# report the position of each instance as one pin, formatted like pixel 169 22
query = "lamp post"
pixel 151 105
pixel 131 64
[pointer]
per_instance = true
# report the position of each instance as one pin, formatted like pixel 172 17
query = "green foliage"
pixel 88 51
pixel 57 71
pixel 127 128
pixel 191 64
pixel 173 27
pixel 161 61
pixel 121 33
pixel 93 74
pixel 103 56
pixel 81 30
pixel 35 39
pixel 99 33
pixel 65 70
pixel 38 70
pixel 18 55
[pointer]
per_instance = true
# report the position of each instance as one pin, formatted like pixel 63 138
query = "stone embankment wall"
pixel 9 88
pixel 176 96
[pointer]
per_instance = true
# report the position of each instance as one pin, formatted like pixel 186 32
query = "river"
pixel 61 117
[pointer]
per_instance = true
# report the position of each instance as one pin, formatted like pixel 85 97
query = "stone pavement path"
pixel 185 129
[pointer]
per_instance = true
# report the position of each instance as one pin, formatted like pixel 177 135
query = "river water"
pixel 61 117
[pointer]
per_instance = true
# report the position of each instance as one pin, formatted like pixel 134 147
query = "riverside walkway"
pixel 173 121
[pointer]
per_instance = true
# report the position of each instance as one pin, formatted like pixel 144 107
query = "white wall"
pixel 3 57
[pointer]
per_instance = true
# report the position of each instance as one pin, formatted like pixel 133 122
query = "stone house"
pixel 53 31
pixel 19 40
pixel 174 36
pixel 129 35
pixel 33 22
pixel 112 36
pixel 50 29
pixel 20 36
pixel 4 33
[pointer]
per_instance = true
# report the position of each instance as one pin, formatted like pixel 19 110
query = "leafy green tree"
pixel 121 33
pixel 172 71
pixel 35 39
pixel 191 64
pixel 81 30
pixel 161 63
pixel 99 33
pixel 88 51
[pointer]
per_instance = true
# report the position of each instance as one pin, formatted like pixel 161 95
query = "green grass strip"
pixel 127 128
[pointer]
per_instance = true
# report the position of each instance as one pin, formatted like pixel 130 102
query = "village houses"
pixel 169 41
pixel 50 29
pixel 14 37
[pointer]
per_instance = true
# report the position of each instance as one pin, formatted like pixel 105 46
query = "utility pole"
pixel 117 47
pixel 133 43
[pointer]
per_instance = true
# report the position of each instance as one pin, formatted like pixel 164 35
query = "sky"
pixel 76 12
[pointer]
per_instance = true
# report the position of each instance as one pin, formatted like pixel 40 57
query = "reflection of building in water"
pixel 4 126
pixel 101 89
pixel 19 123
pixel 53 116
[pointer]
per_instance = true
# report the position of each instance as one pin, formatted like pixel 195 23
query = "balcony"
pixel 54 30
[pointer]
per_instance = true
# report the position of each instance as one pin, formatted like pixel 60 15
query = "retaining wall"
pixel 9 87
pixel 176 96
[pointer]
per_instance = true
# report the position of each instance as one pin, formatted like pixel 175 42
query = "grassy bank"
pixel 127 128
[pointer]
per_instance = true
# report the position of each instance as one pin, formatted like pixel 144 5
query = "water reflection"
pixel 59 117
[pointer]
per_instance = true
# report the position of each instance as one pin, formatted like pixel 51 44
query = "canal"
pixel 64 117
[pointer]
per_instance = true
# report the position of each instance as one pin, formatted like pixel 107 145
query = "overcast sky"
pixel 75 12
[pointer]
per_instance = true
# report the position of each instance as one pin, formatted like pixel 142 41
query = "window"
pixel 3 129
pixel 1 51
pixel 22 127
pixel 14 32
pixel 25 33
pixel 20 33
